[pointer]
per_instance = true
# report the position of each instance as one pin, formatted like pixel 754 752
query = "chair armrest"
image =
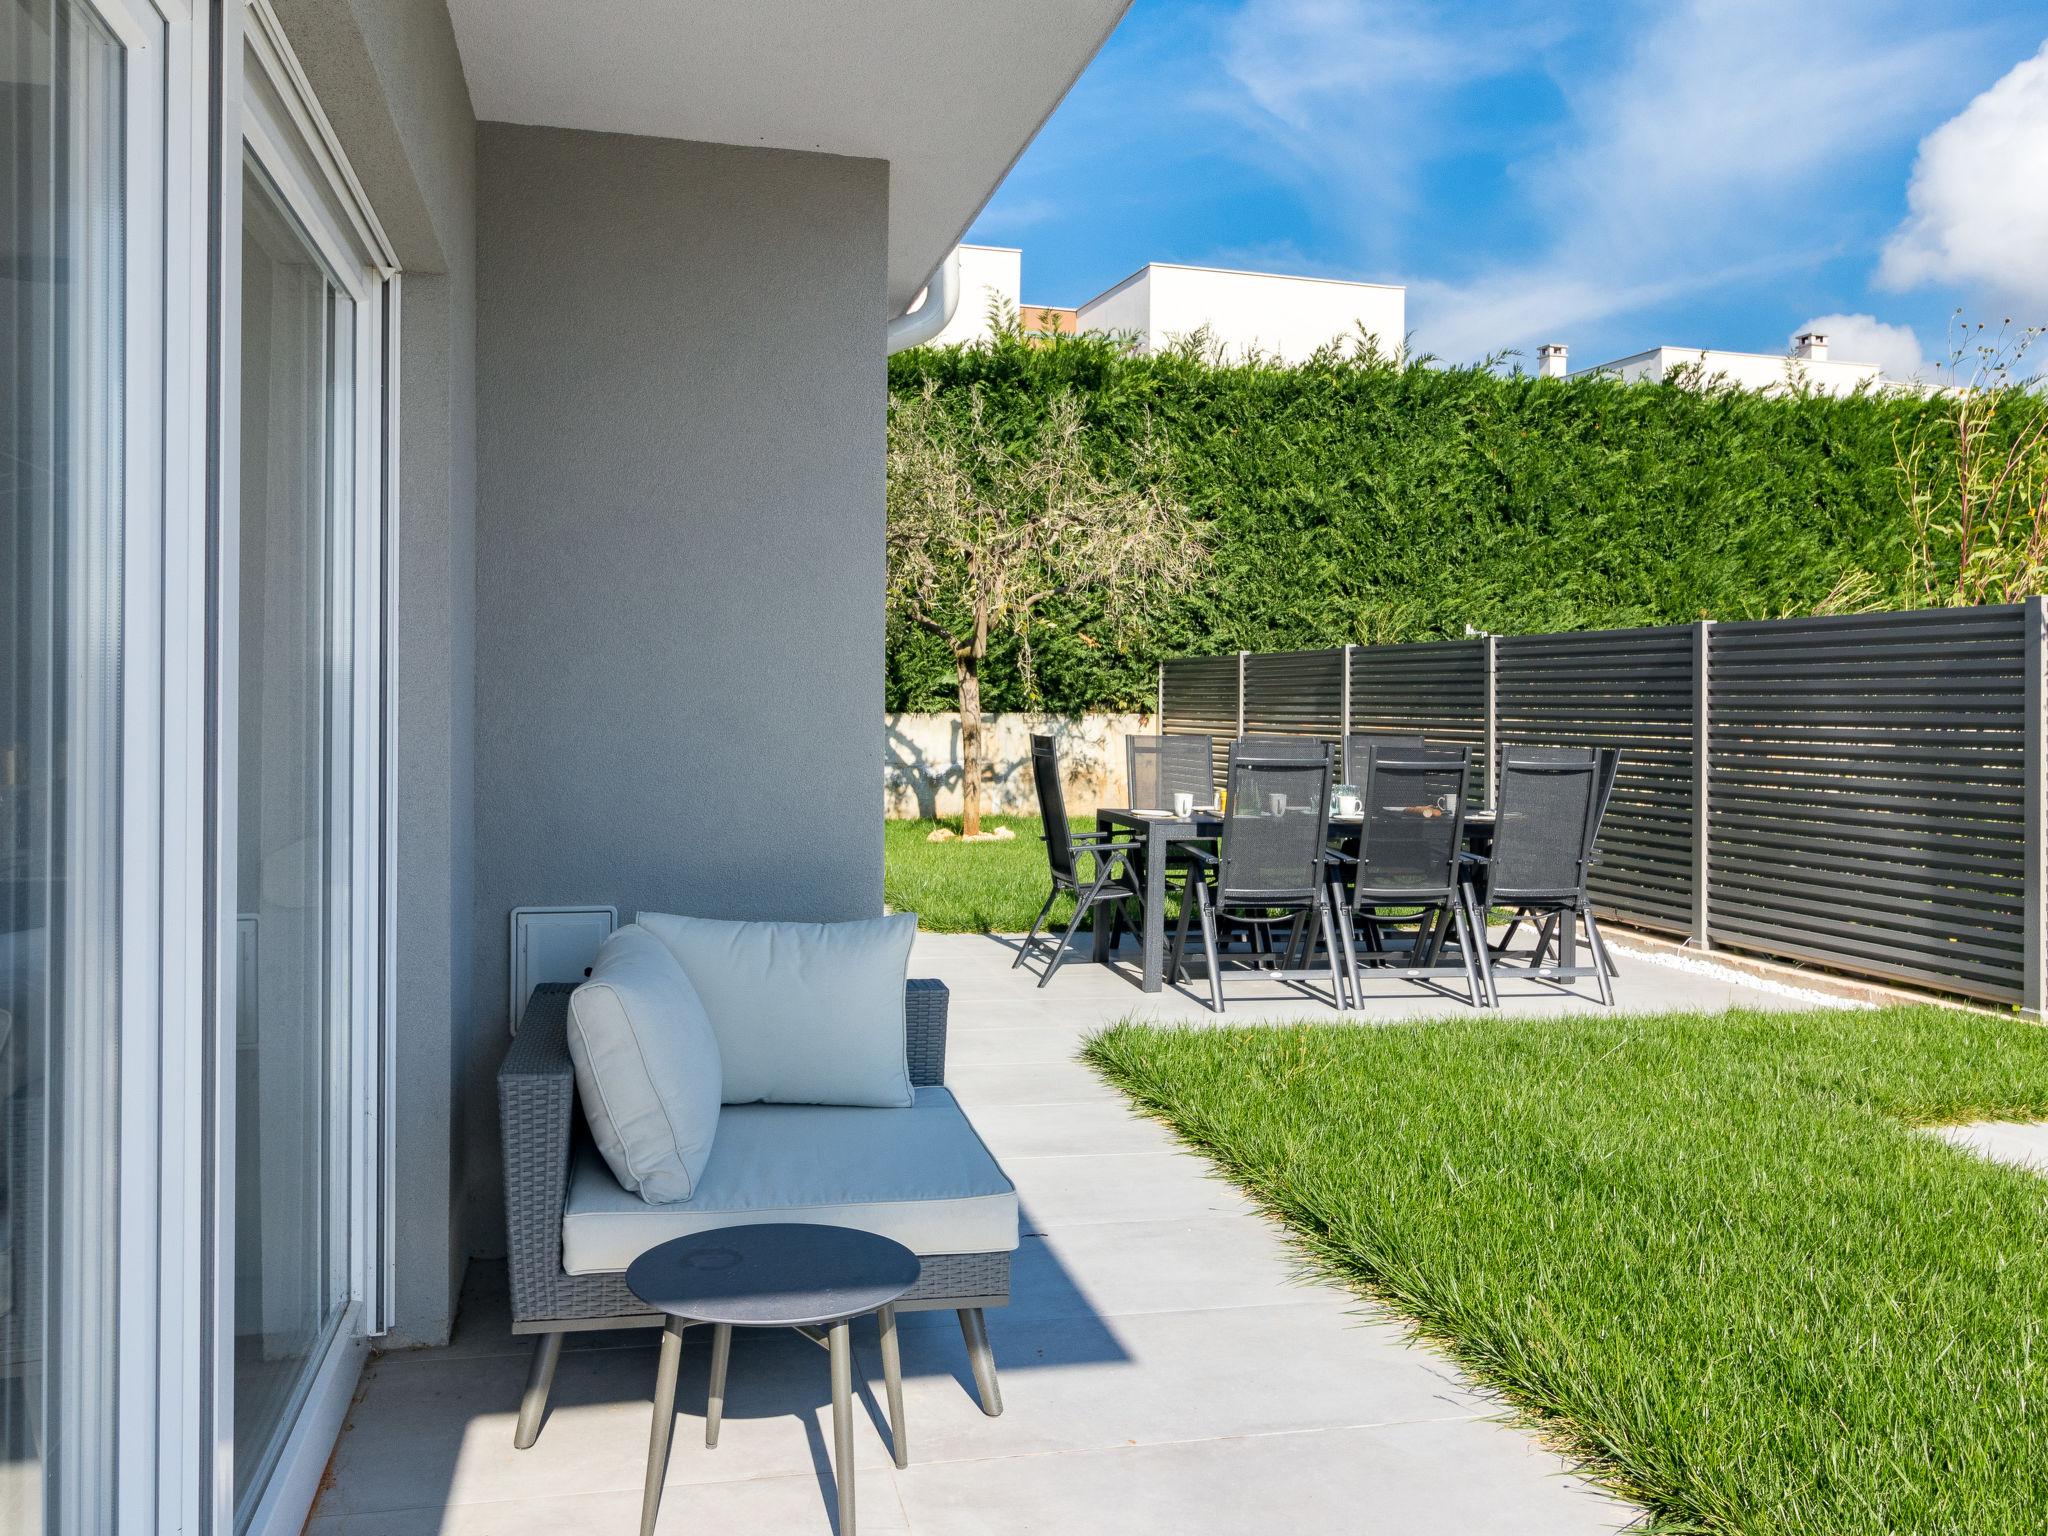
pixel 925 1002
pixel 1196 851
pixel 536 1124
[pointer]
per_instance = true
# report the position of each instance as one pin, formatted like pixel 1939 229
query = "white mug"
pixel 1276 804
pixel 1183 804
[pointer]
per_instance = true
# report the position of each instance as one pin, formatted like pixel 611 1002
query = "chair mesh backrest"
pixel 1359 744
pixel 1309 748
pixel 1548 819
pixel 1052 805
pixel 1414 824
pixel 1275 828
pixel 1190 765
pixel 1160 767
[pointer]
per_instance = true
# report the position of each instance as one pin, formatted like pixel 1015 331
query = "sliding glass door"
pixel 300 828
pixel 195 321
pixel 63 402
pixel 292 820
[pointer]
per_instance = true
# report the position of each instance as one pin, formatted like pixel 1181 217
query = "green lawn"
pixel 969 887
pixel 1705 1252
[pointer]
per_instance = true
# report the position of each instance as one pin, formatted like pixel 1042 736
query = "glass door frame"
pixel 267 111
pixel 150 1321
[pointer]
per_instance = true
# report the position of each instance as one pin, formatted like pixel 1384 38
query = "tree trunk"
pixel 969 669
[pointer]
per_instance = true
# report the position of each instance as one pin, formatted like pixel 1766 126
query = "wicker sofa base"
pixel 949 1281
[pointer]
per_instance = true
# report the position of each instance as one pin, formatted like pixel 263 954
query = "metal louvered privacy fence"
pixel 1865 792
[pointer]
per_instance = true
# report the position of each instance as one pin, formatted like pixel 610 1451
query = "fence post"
pixel 1344 705
pixel 2034 901
pixel 1492 724
pixel 1702 741
pixel 1159 717
pixel 1240 693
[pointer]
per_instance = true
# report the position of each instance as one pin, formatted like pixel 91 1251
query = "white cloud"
pixel 1466 321
pixel 1867 339
pixel 1302 60
pixel 1351 97
pixel 1696 151
pixel 1979 197
pixel 1722 104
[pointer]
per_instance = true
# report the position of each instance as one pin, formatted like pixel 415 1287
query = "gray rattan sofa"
pixel 547 1151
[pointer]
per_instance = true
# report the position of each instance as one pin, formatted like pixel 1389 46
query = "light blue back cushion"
pixel 647 1069
pixel 805 1013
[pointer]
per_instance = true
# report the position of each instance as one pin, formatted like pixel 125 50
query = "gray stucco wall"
pixel 389 77
pixel 679 543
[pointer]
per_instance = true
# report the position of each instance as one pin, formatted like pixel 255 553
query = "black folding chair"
pixel 1160 767
pixel 1270 869
pixel 1359 743
pixel 1610 765
pixel 1157 768
pixel 1107 884
pixel 1408 873
pixel 1545 833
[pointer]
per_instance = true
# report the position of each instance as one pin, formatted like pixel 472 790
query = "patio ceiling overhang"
pixel 948 92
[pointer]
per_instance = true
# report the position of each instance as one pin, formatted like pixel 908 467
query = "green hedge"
pixel 1356 500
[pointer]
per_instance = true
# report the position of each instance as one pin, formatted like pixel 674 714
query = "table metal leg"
pixel 892 1382
pixel 842 1424
pixel 714 1402
pixel 1099 933
pixel 1155 910
pixel 663 1427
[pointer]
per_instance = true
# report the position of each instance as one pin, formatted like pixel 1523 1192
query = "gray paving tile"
pixel 1121 1187
pixel 2020 1145
pixel 1465 1478
pixel 432 1431
pixel 1109 1269
pixel 786 1506
pixel 1055 1082
pixel 1092 1383
pixel 1062 1130
pixel 1026 1043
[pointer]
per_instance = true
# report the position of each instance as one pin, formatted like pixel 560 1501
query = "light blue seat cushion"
pixel 805 1013
pixel 647 1067
pixel 919 1175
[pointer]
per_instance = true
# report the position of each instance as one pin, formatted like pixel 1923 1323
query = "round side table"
pixel 776 1275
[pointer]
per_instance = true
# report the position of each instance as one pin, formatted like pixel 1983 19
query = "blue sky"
pixel 1694 172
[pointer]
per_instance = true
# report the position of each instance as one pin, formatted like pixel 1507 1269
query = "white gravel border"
pixel 1699 966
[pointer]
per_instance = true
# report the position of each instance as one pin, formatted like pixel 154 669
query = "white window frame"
pixel 154 1096
pixel 283 128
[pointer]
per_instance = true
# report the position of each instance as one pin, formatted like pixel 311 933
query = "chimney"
pixel 1810 347
pixel 1550 360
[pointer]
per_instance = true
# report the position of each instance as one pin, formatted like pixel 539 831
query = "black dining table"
pixel 1158 831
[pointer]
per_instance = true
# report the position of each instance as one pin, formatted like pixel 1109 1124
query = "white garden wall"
pixel 922 773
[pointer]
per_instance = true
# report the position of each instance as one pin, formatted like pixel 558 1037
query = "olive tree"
pixel 983 528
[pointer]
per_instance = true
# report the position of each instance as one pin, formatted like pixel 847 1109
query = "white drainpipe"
pixel 941 298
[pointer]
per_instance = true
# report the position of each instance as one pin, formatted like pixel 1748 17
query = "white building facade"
pixel 1246 313
pixel 1806 366
pixel 991 283
pixel 1241 313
